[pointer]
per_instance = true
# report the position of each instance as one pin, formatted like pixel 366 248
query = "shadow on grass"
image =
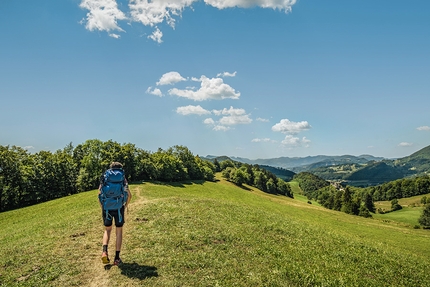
pixel 179 184
pixel 135 270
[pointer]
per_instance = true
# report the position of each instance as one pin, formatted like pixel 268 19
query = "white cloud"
pixel 424 128
pixel 210 89
pixel 262 120
pixel 257 140
pixel 306 142
pixel 235 120
pixel 155 92
pixel 192 110
pixel 274 4
pixel 233 116
pixel 231 112
pixel 221 128
pixel 209 121
pixel 116 36
pixel 287 127
pixel 227 74
pixel 103 15
pixel 156 36
pixel 405 144
pixel 229 117
pixel 170 78
pixel 291 140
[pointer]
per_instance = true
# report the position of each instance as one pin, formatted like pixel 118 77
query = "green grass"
pixel 407 216
pixel 209 234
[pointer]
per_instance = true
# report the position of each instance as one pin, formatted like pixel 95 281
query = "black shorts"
pixel 113 214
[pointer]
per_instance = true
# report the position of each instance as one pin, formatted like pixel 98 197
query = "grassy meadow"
pixel 209 234
pixel 407 216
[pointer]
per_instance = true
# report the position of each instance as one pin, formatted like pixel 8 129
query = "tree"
pixel 217 165
pixel 260 180
pixel 424 219
pixel 347 204
pixel 239 177
pixel 227 173
pixel 271 186
pixel 364 212
pixel 395 205
pixel 368 202
pixel 284 188
pixel 337 200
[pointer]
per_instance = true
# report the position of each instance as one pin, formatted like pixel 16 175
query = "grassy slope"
pixel 209 234
pixel 408 215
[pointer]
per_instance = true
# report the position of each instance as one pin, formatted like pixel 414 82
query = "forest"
pixel 29 178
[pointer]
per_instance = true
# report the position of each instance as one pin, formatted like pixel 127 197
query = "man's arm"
pixel 129 195
pixel 98 197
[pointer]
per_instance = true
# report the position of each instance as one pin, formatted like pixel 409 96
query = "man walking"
pixel 114 196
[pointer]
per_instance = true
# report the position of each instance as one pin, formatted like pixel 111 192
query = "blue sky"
pixel 247 78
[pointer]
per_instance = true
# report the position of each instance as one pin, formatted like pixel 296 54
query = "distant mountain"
pixel 416 164
pixel 298 164
pixel 360 170
pixel 377 172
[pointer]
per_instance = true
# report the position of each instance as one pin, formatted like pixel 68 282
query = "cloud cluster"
pixel 285 126
pixel 291 129
pixel 192 110
pixel 103 15
pixel 210 89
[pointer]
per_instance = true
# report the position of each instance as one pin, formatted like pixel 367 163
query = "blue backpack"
pixel 113 195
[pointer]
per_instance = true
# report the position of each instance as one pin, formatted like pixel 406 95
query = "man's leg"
pixel 118 238
pixel 106 238
pixel 118 245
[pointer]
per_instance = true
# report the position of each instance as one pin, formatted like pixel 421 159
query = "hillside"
pixel 209 234
pixel 418 162
pixel 376 172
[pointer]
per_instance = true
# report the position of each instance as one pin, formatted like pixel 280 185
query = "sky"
pixel 246 78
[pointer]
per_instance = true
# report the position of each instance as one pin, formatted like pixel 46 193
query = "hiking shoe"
pixel 117 262
pixel 105 258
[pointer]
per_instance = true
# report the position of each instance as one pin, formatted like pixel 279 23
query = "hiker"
pixel 114 196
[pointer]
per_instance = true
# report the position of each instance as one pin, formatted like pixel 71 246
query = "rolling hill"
pixel 209 234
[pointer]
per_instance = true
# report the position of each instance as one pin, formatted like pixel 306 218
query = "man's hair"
pixel 115 164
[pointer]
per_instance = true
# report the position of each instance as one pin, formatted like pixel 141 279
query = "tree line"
pixel 401 188
pixel 29 178
pixel 253 175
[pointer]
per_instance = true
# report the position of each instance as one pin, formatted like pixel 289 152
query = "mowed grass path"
pixel 209 234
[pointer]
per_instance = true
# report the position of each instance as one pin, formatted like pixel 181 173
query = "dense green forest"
pixel 29 178
pixel 400 188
